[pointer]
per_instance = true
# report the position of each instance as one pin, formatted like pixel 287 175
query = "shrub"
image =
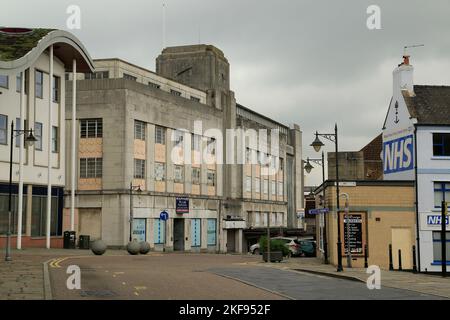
pixel 275 245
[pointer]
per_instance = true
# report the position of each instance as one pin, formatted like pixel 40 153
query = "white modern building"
pixel 29 58
pixel 416 146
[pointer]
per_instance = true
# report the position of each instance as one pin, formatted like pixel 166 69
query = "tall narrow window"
pixel 39 84
pixel 159 229
pixel 212 232
pixel 160 135
pixel 160 171
pixel 4 81
pixel 139 130
pixel 178 174
pixel 139 169
pixel 196 142
pixel 195 175
pixel 56 88
pixel 211 178
pixel 257 185
pixel 3 129
pixel 19 82
pixel 54 139
pixel 195 233
pixel 38 136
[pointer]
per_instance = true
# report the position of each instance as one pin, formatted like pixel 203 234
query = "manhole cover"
pixel 97 293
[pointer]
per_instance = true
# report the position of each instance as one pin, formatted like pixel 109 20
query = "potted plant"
pixel 278 249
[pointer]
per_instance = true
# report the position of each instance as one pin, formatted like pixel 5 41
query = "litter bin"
pixel 69 239
pixel 83 242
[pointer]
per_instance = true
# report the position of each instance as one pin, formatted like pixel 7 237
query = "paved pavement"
pixel 421 283
pixel 307 286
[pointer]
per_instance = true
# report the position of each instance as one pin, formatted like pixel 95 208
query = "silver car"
pixel 291 243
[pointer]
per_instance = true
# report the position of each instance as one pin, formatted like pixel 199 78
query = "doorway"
pixel 231 241
pixel 178 234
pixel 402 240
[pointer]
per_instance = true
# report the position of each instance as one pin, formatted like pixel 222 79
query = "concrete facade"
pixel 133 112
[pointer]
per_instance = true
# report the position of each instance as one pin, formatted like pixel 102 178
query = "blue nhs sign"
pixel 398 155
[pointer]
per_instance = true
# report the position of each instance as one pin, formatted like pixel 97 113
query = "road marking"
pixel 135 293
pixel 55 262
pixel 124 283
pixel 140 288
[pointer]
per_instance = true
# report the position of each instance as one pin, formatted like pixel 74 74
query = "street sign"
pixel 318 211
pixel 181 205
pixel 164 215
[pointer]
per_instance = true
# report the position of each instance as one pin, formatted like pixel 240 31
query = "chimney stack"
pixel 403 77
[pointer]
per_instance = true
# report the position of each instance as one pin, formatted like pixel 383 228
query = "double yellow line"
pixel 54 263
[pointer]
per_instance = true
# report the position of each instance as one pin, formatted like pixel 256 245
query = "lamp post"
pixel 138 189
pixel 317 144
pixel 30 139
pixel 308 168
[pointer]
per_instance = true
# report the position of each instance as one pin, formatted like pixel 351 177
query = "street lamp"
pixel 308 167
pixel 317 145
pixel 139 190
pixel 30 140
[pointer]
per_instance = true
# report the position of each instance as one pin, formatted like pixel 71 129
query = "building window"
pixel 160 171
pixel 154 85
pixel 97 75
pixel 211 178
pixel 437 253
pixel 280 219
pixel 178 137
pixel 91 168
pixel 159 231
pixel 195 99
pixel 38 218
pixel 160 135
pixel 3 129
pixel 273 218
pixel 175 93
pixel 248 184
pixel 178 174
pixel 39 84
pixel 265 216
pixel 4 81
pixel 196 235
pixel 281 164
pixel 211 146
pixel 273 187
pixel 196 142
pixel 139 130
pixel 139 169
pixel 266 186
pixel 38 136
pixel 441 193
pixel 129 77
pixel 211 233
pixel 195 175
pixel 19 82
pixel 54 139
pixel 56 88
pixel 91 128
pixel 257 185
pixel 441 144
pixel 280 188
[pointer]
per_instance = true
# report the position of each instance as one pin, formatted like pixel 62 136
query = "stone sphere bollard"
pixel 133 247
pixel 144 247
pixel 98 247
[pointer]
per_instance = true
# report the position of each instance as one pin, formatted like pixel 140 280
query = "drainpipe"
pixel 416 186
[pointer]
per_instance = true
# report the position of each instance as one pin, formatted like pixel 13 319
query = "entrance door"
pixel 231 241
pixel 401 239
pixel 178 234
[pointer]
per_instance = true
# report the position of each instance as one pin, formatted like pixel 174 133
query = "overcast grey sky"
pixel 312 62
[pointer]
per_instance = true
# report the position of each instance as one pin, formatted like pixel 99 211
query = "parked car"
pixel 307 247
pixel 291 243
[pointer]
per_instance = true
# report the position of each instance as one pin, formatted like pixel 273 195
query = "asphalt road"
pixel 203 277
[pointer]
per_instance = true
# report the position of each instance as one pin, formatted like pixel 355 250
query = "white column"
pixel 49 149
pixel 21 146
pixel 74 135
